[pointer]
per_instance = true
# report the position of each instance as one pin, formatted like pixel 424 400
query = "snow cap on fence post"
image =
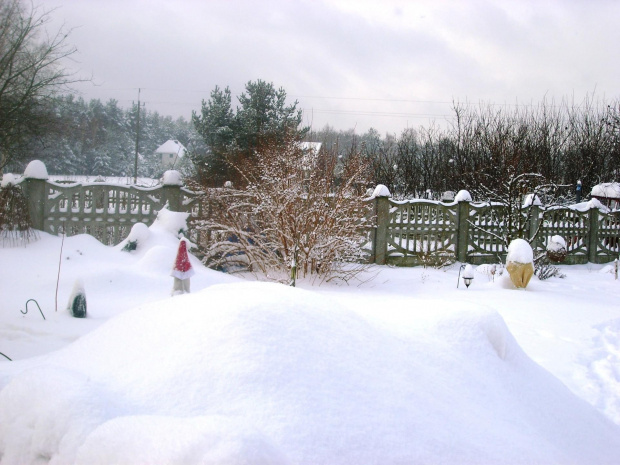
pixel 532 200
pixel 381 191
pixel 462 196
pixel 36 170
pixel 35 176
pixel 172 178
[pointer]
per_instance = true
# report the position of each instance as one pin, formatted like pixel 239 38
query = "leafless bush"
pixel 15 225
pixel 298 207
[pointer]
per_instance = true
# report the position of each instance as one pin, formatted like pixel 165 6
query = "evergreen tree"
pixel 263 120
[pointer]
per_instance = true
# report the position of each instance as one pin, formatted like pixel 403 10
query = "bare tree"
pixel 31 74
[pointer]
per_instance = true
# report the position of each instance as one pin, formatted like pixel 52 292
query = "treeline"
pixel 482 145
pixel 488 144
pixel 93 137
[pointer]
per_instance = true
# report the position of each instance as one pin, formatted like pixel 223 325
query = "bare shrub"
pixel 15 224
pixel 299 207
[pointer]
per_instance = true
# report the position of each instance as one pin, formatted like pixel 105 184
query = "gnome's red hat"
pixel 182 267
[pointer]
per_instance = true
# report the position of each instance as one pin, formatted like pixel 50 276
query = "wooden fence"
pixel 417 232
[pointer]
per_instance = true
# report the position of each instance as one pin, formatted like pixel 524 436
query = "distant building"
pixel 171 153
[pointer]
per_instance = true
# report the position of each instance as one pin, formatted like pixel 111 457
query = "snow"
pixel 586 206
pixel 36 170
pixel 139 234
pixel 531 199
pixel 381 191
pixel 172 178
pixel 468 272
pixel 520 251
pixel 173 222
pixel 607 189
pixel 8 179
pixel 64 179
pixel 462 196
pixel 556 244
pixel 404 368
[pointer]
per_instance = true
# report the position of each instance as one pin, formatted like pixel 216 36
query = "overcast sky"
pixel 350 63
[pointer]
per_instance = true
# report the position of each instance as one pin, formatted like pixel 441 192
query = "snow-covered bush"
pixel 297 207
pixel 555 253
pixel 138 235
pixel 15 224
pixel 556 249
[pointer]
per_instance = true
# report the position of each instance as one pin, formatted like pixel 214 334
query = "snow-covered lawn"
pixel 404 368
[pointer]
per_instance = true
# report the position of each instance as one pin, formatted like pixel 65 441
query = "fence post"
pixel 35 178
pixel 593 215
pixel 535 242
pixel 381 197
pixel 462 230
pixel 172 184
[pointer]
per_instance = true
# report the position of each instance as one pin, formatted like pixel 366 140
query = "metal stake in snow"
pixel 62 243
pixel 293 269
pixel 37 304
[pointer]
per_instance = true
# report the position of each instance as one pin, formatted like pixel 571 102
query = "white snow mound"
pixel 520 251
pixel 264 373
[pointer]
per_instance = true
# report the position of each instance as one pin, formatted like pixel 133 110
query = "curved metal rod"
pixel 32 300
pixel 6 356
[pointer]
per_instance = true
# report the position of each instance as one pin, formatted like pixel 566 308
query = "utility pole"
pixel 135 164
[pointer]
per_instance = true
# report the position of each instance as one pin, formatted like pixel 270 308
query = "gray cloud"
pixel 349 64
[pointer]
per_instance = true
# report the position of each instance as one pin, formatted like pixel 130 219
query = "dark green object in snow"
pixel 78 306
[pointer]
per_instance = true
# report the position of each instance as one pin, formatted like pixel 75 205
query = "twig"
pixel 62 243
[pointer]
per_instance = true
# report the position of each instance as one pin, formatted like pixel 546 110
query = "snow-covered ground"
pixel 403 368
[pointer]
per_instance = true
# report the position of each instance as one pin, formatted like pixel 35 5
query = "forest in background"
pixel 564 142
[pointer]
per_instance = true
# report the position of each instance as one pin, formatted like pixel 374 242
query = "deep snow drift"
pixel 404 368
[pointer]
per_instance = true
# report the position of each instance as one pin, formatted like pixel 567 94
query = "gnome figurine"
pixel 182 270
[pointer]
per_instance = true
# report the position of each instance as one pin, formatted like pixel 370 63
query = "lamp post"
pixel 468 275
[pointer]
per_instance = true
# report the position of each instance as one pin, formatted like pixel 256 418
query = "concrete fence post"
pixel 381 197
pixel 535 241
pixel 171 193
pixel 592 234
pixel 462 231
pixel 35 190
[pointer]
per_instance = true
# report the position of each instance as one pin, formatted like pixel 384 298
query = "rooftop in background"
pixel 172 146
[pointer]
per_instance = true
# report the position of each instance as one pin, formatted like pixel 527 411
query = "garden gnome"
pixel 182 270
pixel 520 263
